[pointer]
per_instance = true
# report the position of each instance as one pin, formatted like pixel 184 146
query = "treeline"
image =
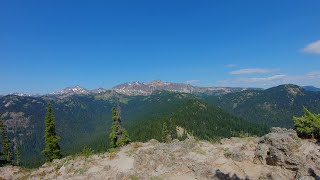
pixel 10 151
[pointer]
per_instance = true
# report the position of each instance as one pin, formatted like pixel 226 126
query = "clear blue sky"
pixel 48 45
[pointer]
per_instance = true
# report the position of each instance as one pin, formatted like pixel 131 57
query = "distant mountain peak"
pixel 20 94
pixel 157 81
pixel 71 90
pixel 76 88
pixel 290 89
pixel 286 86
pixel 147 88
pixel 98 91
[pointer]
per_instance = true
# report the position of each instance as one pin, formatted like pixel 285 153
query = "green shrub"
pixel 87 151
pixel 308 125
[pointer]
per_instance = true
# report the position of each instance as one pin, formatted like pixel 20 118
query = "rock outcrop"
pixel 282 147
pixel 277 155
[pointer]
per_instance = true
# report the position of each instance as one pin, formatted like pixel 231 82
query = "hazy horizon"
pixel 46 46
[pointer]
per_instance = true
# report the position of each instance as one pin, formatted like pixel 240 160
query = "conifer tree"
pixel 307 125
pixel 17 155
pixel 2 161
pixel 6 148
pixel 2 154
pixel 10 154
pixel 114 128
pixel 118 136
pixel 52 148
pixel 165 132
pixel 2 136
pixel 124 139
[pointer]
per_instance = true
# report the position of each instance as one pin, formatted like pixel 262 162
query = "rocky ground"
pixel 277 155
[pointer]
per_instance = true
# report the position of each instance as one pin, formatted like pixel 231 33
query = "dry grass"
pixel 81 170
pixel 136 145
pixel 131 151
pixel 112 155
pixel 198 150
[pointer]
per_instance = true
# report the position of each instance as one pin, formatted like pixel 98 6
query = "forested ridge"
pixel 272 107
pixel 85 120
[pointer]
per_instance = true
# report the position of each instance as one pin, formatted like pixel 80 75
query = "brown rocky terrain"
pixel 277 155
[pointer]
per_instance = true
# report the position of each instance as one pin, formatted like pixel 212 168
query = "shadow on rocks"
pixel 313 174
pixel 222 176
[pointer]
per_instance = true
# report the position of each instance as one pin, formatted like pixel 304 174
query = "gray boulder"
pixel 282 147
pixel 277 147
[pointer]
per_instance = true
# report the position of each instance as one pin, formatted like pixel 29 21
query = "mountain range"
pixel 143 88
pixel 146 88
pixel 83 117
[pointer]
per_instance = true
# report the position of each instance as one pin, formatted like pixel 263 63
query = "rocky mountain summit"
pixel 139 88
pixel 277 155
pixel 71 91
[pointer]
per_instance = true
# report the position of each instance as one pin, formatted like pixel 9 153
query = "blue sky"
pixel 48 45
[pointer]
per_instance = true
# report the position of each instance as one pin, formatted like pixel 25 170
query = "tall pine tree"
pixel 2 154
pixel 165 132
pixel 118 136
pixel 52 148
pixel 6 145
pixel 17 152
pixel 18 156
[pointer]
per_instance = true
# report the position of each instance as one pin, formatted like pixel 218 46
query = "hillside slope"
pixel 274 107
pixel 200 119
